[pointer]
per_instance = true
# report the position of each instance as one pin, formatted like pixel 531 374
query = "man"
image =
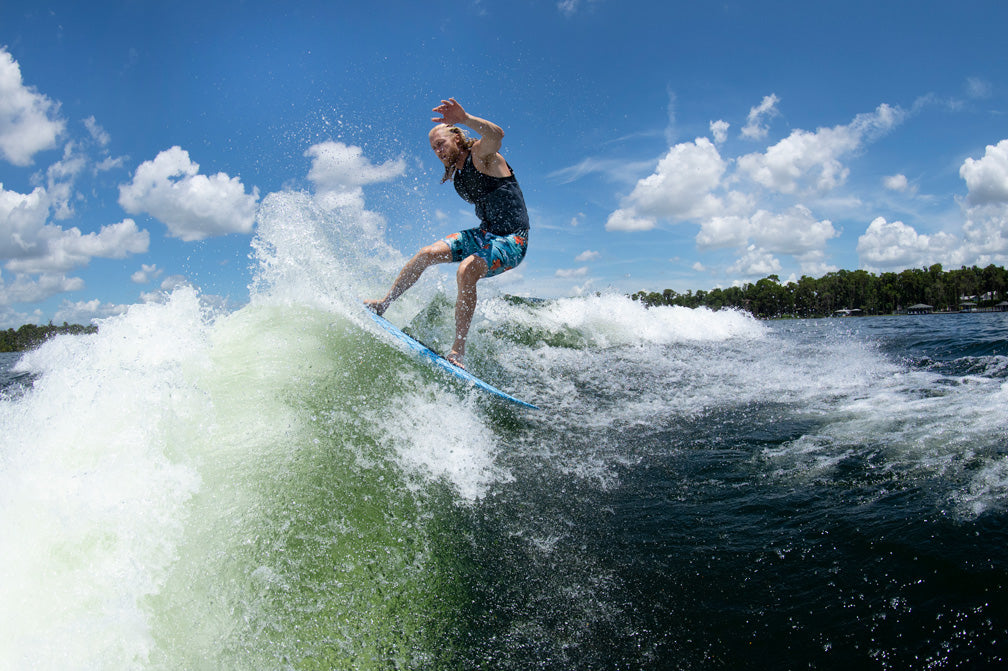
pixel 482 177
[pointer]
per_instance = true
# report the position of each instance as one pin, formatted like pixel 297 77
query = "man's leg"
pixel 439 252
pixel 471 270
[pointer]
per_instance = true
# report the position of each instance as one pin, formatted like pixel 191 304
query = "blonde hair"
pixel 464 140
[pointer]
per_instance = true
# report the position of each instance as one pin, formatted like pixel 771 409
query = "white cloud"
pixel 572 272
pixel 173 282
pixel 29 121
pixel 719 130
pixel 679 189
pixel 192 206
pixel 84 312
pixel 340 167
pixel 693 182
pixel 339 172
pixel 811 161
pixel 64 249
pixel 22 216
pixel 724 231
pixel 147 273
pixel 987 177
pixel 625 221
pixel 98 134
pixel 755 128
pixel 31 245
pixel 755 262
pixel 11 318
pixel 587 255
pixel 985 231
pixel 794 231
pixel 894 246
pixel 896 182
pixel 985 235
pixel 25 289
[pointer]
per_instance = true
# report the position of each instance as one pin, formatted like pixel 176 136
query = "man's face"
pixel 445 144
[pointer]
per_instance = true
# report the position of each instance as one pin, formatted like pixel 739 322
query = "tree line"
pixel 887 293
pixel 32 335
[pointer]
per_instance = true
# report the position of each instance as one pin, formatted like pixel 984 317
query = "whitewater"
pixel 280 487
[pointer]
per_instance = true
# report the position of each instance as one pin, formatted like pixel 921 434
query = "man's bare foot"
pixel 456 359
pixel 378 307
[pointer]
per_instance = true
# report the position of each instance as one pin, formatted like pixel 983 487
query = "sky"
pixel 665 144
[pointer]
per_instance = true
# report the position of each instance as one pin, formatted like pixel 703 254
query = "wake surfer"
pixel 482 177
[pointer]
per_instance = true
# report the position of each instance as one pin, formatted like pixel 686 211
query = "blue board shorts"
pixel 501 252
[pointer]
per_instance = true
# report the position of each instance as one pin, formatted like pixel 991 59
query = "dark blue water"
pixel 851 517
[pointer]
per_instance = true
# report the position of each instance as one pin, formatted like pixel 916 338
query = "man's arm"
pixel 486 149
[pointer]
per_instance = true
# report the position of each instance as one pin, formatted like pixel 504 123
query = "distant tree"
pixel 853 290
pixel 29 336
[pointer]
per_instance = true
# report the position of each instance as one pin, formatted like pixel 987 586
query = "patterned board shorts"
pixel 501 252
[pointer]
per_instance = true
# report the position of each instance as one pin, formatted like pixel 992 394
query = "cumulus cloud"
pixel 985 231
pixel 794 231
pixel 987 177
pixel 752 203
pixel 625 221
pixel 755 128
pixel 191 205
pixel 339 173
pixel 31 245
pixel 25 289
pixel 984 236
pixel 724 231
pixel 755 262
pixel 894 245
pixel 340 167
pixel 84 312
pixel 146 274
pixel 22 216
pixel 29 121
pixel 812 161
pixel 679 189
pixel 64 249
pixel 587 255
pixel 896 182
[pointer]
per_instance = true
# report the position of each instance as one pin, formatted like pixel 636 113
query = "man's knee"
pixel 471 269
pixel 434 253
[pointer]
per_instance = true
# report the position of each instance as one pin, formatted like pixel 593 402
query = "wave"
pixel 281 486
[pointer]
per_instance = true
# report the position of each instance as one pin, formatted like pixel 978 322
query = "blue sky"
pixel 660 145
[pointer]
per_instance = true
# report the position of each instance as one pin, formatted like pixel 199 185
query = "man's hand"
pixel 485 149
pixel 451 112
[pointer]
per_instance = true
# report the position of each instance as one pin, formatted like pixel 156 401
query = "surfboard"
pixel 424 353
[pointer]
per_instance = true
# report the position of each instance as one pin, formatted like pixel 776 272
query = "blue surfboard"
pixel 424 353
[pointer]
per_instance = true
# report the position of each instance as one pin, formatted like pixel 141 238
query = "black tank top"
pixel 499 202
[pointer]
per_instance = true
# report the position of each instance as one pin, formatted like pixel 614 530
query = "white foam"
pixel 610 320
pixel 309 254
pixel 434 431
pixel 90 496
